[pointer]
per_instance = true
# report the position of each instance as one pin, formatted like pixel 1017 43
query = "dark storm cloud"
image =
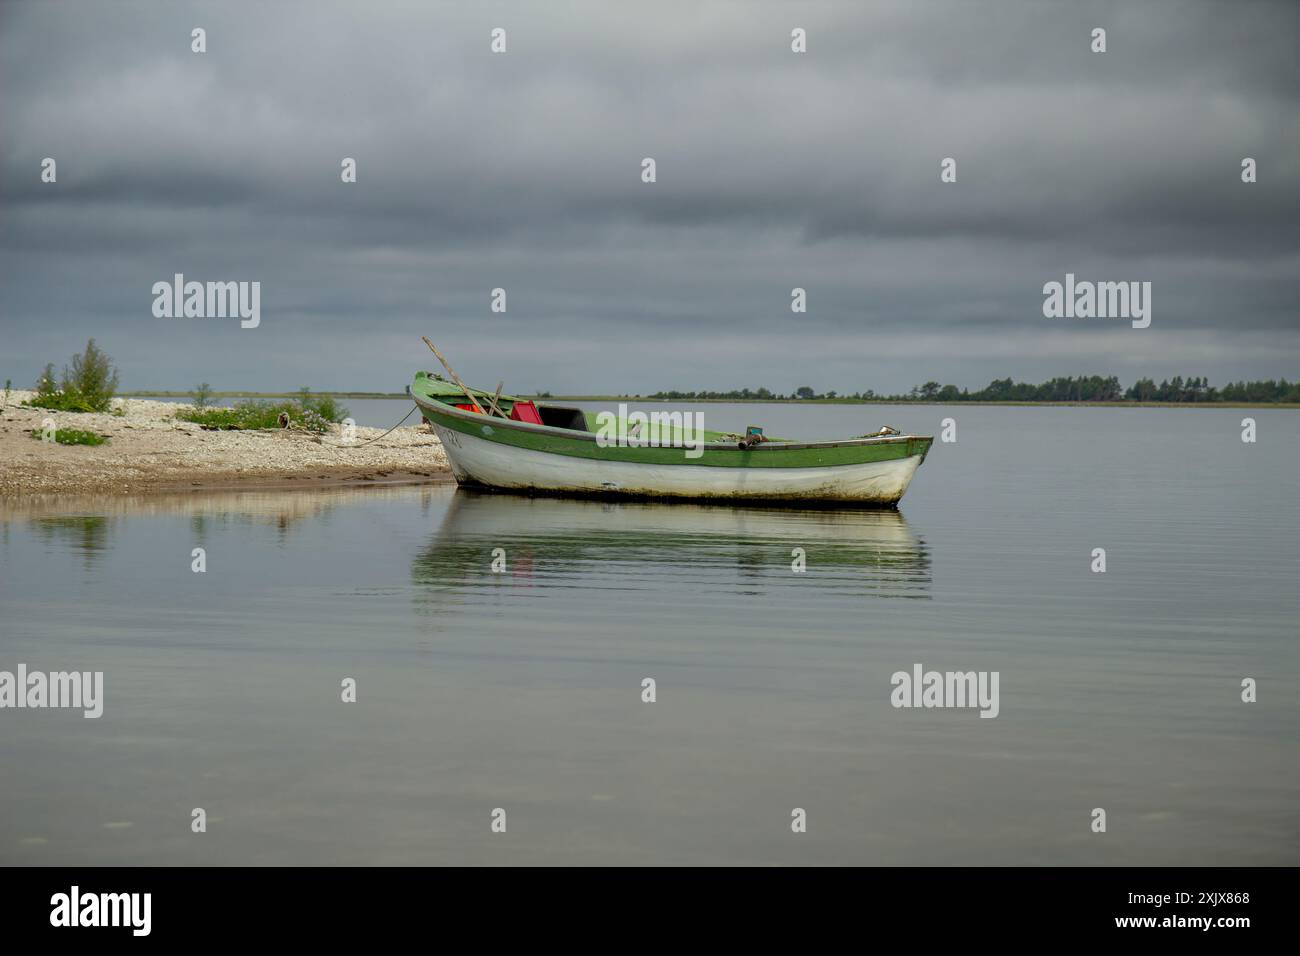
pixel 775 170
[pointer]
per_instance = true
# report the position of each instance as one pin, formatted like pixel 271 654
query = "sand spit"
pixel 149 450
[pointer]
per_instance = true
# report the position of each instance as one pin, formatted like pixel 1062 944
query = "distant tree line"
pixel 1084 388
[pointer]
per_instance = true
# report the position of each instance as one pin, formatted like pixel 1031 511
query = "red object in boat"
pixel 467 408
pixel 526 412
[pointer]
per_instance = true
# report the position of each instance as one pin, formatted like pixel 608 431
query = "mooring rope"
pixel 414 409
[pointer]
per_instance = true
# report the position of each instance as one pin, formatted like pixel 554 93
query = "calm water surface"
pixel 522 690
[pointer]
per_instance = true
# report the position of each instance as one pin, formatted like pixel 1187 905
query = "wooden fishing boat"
pixel 505 443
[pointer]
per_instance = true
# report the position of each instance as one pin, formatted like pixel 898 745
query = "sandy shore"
pixel 149 450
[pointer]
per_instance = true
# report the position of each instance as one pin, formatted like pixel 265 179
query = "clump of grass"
pixel 72 436
pixel 88 386
pixel 243 416
pixel 314 413
pixel 323 406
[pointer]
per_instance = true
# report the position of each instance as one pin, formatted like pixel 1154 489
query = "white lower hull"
pixel 479 461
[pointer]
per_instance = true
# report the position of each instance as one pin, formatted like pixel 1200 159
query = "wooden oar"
pixel 495 400
pixel 454 377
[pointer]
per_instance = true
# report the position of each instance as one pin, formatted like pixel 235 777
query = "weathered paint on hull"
pixel 483 462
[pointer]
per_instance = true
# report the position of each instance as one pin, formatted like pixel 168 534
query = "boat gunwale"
pixel 451 411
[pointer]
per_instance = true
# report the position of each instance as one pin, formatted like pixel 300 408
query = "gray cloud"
pixel 775 170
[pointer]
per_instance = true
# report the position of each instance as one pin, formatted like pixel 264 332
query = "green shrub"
pixel 252 415
pixel 88 386
pixel 323 405
pixel 202 395
pixel 45 385
pixel 72 436
pixel 62 401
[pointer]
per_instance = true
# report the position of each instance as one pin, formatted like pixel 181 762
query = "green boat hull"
pixel 509 455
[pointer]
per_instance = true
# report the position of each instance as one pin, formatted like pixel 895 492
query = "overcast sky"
pixel 775 169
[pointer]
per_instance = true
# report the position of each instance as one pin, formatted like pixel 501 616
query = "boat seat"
pixel 559 416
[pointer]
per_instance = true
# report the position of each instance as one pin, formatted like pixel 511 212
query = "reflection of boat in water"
pixel 631 545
